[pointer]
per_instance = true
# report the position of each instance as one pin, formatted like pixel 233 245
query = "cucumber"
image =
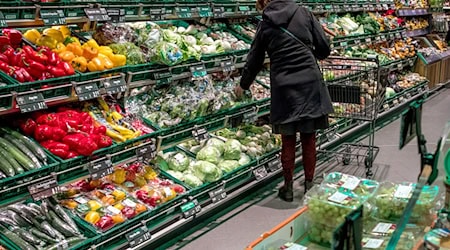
pixel 9 158
pixel 17 240
pixel 28 237
pixel 33 146
pixel 45 226
pixel 70 242
pixel 17 154
pixel 59 210
pixel 61 226
pixel 21 146
pixel 42 236
pixel 6 167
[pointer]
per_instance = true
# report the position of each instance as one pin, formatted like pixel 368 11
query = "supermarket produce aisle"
pixel 260 212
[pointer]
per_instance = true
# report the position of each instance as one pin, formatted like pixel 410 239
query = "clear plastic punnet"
pixel 359 187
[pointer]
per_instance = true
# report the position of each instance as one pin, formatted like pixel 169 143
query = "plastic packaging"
pixel 437 239
pixel 371 242
pixel 359 187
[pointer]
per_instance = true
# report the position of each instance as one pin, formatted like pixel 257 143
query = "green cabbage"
pixel 232 150
pixel 192 180
pixel 244 160
pixel 217 143
pixel 176 174
pixel 178 162
pixel 207 171
pixel 210 154
pixel 228 165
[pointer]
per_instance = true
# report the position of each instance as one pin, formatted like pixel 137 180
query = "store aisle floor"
pixel 237 228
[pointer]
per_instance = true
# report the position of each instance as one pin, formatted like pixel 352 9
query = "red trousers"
pixel 308 154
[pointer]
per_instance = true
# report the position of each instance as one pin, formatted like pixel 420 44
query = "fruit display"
pixel 39 226
pixel 66 133
pixel 400 82
pixel 416 23
pixel 19 154
pixel 391 198
pixel 347 183
pixel 387 52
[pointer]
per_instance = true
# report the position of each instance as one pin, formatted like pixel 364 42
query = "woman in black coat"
pixel 300 102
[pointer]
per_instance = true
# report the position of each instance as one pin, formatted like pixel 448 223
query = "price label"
pixel 100 169
pixel 368 40
pixel 184 12
pixel 87 91
pixel 227 66
pixel 138 237
pixel 44 189
pixel 339 198
pixel 114 86
pixel 384 228
pixel 274 164
pixel 146 153
pixel 386 106
pixel 157 14
pixel 219 12
pixel 218 195
pixel 402 99
pixel 244 10
pixel 116 15
pixel 357 41
pixel 190 208
pixel 205 11
pixel 198 71
pixel 260 173
pixel 372 243
pixel 200 134
pixel 250 117
pixel 97 14
pixel 162 78
pixel 328 7
pixel 53 17
pixel 398 35
pixel 346 7
pixel 408 95
pixel 395 101
pixel 343 44
pixel 383 38
pixel 377 38
pixel 351 183
pixel 2 21
pixel 31 102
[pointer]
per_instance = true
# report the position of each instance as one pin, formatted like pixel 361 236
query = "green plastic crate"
pixel 10 10
pixel 142 72
pixel 86 76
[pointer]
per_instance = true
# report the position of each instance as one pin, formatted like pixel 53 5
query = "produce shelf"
pixel 412 12
pixel 344 42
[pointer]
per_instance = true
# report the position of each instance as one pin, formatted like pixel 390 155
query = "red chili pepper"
pixel 58 134
pixel 4 58
pixel 61 153
pixel 57 72
pixel 53 58
pixel 28 126
pixel 104 141
pixel 48 119
pixel 67 68
pixel 15 36
pixel 43 132
pixel 35 65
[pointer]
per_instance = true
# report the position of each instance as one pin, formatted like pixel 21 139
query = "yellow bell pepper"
pixel 55 34
pixel 75 49
pixel 79 64
pixel 119 206
pixel 119 195
pixel 67 56
pixel 119 60
pixel 32 35
pixel 96 64
pixel 92 217
pixel 64 30
pixel 106 61
pixel 94 205
pixel 60 47
pixel 91 43
pixel 90 53
pixel 104 50
pixel 47 41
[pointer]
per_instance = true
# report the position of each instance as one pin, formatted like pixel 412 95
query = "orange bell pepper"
pixel 140 208
pixel 67 56
pixel 118 218
pixel 79 63
pixel 75 48
pixel 90 53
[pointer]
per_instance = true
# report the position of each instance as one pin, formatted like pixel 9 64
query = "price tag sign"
pixel 190 208
pixel 2 21
pixel 368 40
pixel 114 86
pixel 31 102
pixel 386 107
pixel 53 17
pixel 138 237
pixel 97 14
pixel 343 44
pixel 198 71
pixel 44 189
pixel 274 164
pixel 244 10
pixel 100 169
pixel 402 99
pixel 260 173
pixel 219 12
pixel 408 95
pixel 163 78
pixel 116 15
pixel 184 12
pixel 146 153
pixel 205 11
pixel 346 7
pixel 218 195
pixel 156 14
pixel 328 7
pixel 357 41
pixel 87 91
pixel 227 66
pixel 395 101
pixel 250 116
pixel 200 134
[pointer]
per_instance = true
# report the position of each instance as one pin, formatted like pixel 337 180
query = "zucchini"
pixel 32 145
pixel 17 240
pixel 6 167
pixel 24 149
pixel 17 154
pixel 61 226
pixel 42 236
pixel 70 242
pixel 10 159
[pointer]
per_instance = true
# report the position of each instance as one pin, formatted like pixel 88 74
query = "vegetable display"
pixel 39 226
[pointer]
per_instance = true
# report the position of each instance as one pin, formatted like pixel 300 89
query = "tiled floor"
pixel 241 226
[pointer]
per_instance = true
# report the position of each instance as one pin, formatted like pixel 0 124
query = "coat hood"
pixel 280 12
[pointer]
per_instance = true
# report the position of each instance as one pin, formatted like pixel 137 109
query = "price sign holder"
pixel 274 164
pixel 260 173
pixel 184 12
pixel 251 116
pixel 138 236
pixel 244 10
pixel 157 14
pixel 163 77
pixel 368 40
pixel 87 91
pixel 53 17
pixel 100 169
pixel 205 11
pixel 116 15
pixel 45 188
pixel 386 107
pixel 97 14
pixel 200 134
pixel 190 208
pixel 198 71
pixel 114 86
pixel 2 21
pixel 218 194
pixel 219 12
pixel 31 102
pixel 227 66
pixel 357 41
pixel 408 95
pixel 146 153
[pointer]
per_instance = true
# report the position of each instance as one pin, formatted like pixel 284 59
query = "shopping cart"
pixel 357 93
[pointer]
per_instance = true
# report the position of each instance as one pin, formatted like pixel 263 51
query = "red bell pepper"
pixel 4 43
pixel 101 130
pixel 43 132
pixel 34 73
pixel 48 119
pixel 67 68
pixel 9 52
pixel 69 118
pixel 59 152
pixel 85 118
pixel 35 65
pixel 57 72
pixel 37 56
pixel 45 76
pixel 18 75
pixel 105 223
pixel 4 58
pixel 18 58
pixel 73 140
pixel 58 134
pixel 104 141
pixel 28 126
pixel 53 58
pixel 87 146
pixel 6 68
pixel 72 154
pixel 96 138
pixel 15 36
pixel 46 144
pixel 26 75
pixel 87 128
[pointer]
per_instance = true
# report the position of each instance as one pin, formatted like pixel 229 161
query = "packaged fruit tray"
pixel 390 201
pixel 359 187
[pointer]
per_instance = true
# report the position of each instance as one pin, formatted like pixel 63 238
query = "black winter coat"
pixel 298 91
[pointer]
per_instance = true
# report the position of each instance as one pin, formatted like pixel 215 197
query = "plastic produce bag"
pixel 167 53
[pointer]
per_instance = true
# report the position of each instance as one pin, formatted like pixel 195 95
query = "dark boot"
pixel 286 192
pixel 308 185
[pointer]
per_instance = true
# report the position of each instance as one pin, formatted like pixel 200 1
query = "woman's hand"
pixel 238 91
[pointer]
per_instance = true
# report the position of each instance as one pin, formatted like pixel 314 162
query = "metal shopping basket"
pixel 357 93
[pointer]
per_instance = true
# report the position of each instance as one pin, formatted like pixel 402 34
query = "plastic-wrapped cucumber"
pixel 43 236
pixel 28 237
pixel 61 226
pixel 16 239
